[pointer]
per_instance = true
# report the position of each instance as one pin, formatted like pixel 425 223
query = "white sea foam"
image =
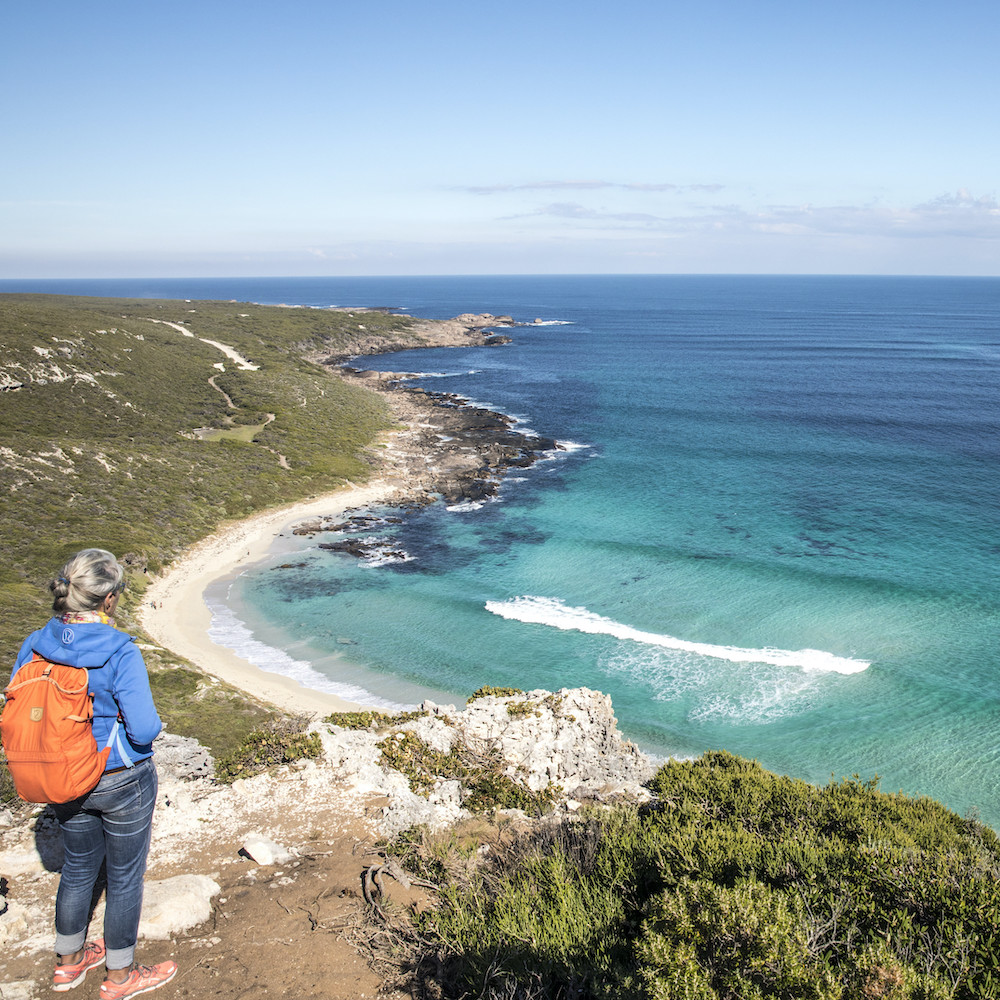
pixel 554 612
pixel 379 559
pixel 466 505
pixel 227 630
pixel 552 322
pixel 384 551
pixel 415 375
pixel 571 446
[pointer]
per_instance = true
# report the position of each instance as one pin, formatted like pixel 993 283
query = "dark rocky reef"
pixel 450 451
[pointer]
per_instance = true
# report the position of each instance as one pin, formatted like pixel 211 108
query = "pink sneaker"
pixel 141 979
pixel 67 976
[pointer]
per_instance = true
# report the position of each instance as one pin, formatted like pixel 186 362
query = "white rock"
pixel 171 906
pixel 265 851
pixel 14 924
pixel 23 989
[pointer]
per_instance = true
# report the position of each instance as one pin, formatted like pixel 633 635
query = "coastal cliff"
pixel 258 842
pixel 386 852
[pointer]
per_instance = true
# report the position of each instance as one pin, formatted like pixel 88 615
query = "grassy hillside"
pixel 128 434
pixel 122 431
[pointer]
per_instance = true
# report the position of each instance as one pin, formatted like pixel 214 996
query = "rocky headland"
pixel 450 449
pixel 447 448
pixel 247 879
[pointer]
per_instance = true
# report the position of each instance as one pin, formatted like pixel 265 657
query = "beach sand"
pixel 409 462
pixel 175 615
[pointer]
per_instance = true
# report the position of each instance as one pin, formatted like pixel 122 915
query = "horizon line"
pixel 499 274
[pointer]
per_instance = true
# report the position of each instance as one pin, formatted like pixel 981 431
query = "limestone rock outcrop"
pixel 565 743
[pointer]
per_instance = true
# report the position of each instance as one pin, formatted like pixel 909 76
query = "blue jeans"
pixel 112 823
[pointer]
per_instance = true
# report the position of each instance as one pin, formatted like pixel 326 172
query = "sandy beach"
pixel 175 615
pixel 409 463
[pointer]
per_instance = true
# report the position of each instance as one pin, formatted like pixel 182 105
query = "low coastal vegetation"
pixel 139 426
pixel 732 882
pixel 283 741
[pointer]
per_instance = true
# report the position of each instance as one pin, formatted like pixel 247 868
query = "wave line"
pixel 556 613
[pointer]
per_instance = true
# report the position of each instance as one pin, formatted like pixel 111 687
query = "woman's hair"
pixel 86 580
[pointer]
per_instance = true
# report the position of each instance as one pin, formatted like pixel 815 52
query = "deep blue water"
pixel 775 529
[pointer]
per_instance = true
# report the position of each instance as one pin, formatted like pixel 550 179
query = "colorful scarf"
pixel 79 617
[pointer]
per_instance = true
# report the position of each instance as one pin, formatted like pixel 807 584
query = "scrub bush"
pixel 734 882
pixel 486 782
pixel 487 691
pixel 266 748
pixel 369 719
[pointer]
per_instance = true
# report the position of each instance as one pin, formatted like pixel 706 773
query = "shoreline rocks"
pixel 451 450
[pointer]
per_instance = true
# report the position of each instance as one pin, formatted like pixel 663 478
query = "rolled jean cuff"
pixel 70 944
pixel 119 958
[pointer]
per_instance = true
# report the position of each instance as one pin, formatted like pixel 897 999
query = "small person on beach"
pixel 110 825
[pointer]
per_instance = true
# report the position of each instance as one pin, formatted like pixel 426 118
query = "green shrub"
pixel 488 786
pixel 494 692
pixel 735 882
pixel 192 703
pixel 369 719
pixel 486 783
pixel 264 749
pixel 422 765
pixel 749 939
pixel 520 709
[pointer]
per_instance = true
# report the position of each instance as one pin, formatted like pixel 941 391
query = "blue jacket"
pixel 117 677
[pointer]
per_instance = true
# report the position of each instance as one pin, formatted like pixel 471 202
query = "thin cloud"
pixel 584 185
pixel 963 201
pixel 960 215
pixel 573 210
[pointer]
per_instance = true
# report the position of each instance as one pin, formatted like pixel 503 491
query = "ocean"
pixel 773 527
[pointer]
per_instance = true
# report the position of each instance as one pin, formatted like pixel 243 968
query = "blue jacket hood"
pixel 84 645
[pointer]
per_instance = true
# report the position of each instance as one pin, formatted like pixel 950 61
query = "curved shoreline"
pixel 414 465
pixel 175 615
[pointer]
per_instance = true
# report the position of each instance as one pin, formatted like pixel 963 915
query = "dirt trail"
pixel 274 930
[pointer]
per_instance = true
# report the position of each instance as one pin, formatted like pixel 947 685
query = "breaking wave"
pixel 557 614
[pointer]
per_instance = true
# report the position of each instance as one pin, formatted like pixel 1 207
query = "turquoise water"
pixel 774 528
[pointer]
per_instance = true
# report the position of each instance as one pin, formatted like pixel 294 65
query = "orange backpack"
pixel 47 732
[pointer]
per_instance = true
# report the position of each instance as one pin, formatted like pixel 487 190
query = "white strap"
pixel 115 738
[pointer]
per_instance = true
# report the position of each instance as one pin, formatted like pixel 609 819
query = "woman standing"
pixel 113 822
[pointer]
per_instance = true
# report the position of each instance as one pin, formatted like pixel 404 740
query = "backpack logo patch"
pixel 36 713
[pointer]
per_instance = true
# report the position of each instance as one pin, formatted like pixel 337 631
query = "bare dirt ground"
pixel 287 929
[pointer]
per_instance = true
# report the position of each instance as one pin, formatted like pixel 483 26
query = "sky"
pixel 319 137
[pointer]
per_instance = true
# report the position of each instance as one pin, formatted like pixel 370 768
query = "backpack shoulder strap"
pixel 115 740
